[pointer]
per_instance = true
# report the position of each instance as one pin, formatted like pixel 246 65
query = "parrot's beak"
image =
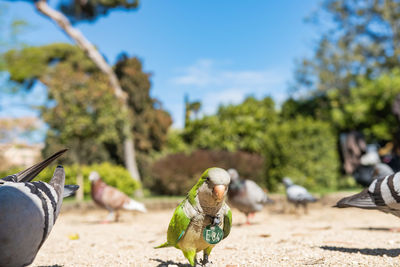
pixel 219 191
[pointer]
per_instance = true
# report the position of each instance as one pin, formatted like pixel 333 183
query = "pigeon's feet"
pixel 247 219
pixel 395 230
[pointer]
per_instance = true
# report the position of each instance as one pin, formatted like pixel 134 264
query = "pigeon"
pixel 111 198
pixel 297 194
pixel 383 194
pixel 371 168
pixel 203 218
pixel 29 211
pixel 246 195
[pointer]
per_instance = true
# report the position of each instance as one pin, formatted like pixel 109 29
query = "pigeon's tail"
pixel 30 173
pixel 267 200
pixel 361 200
pixel 166 244
pixel 69 190
pixel 134 205
pixel 270 201
pixel 311 198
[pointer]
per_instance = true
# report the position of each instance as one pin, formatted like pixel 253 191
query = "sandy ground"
pixel 325 237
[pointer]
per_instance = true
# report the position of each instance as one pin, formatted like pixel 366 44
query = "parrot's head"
pixel 214 186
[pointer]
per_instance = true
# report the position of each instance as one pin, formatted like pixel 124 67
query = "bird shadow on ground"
pixel 166 263
pixel 391 252
pixel 102 222
pixel 245 224
pixel 384 229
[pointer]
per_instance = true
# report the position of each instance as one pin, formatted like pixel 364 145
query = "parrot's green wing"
pixel 227 222
pixel 177 226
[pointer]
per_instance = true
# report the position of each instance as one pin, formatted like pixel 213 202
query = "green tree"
pixel 82 112
pixel 303 149
pixel 292 144
pixel 83 10
pixel 150 121
pixel 368 107
pixel 234 127
pixel 362 38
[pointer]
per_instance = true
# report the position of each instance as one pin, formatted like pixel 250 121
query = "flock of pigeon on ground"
pixel 29 209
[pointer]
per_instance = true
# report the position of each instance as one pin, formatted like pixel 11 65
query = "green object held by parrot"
pixel 196 223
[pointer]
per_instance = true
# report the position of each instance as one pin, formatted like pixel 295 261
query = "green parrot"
pixel 196 222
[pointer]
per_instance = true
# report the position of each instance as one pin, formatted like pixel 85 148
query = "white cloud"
pixel 212 100
pixel 215 83
pixel 206 72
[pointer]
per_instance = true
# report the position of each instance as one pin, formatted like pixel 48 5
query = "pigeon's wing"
pixel 362 200
pixel 383 194
pixel 30 173
pixel 255 193
pixel 227 221
pixel 177 226
pixel 299 193
pixel 113 198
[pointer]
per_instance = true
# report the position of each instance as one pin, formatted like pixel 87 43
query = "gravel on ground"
pixel 326 236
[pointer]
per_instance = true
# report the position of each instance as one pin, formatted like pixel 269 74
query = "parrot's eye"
pixel 208 179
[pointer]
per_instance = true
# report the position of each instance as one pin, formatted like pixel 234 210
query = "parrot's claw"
pixel 204 262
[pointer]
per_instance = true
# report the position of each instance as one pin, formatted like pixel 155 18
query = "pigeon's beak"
pixel 219 191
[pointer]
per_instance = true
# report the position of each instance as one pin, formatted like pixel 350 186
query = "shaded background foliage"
pixel 175 174
pixel 113 175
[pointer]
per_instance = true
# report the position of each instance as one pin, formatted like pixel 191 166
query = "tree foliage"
pixel 292 144
pixel 368 107
pixel 303 149
pixel 234 127
pixel 91 10
pixel 352 77
pixel 82 112
pixel 151 122
pixel 362 39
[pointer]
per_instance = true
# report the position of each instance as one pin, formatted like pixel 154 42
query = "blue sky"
pixel 215 51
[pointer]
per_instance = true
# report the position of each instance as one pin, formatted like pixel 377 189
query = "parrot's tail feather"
pixel 163 245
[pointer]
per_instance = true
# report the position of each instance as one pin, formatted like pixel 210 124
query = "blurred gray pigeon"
pixel 111 198
pixel 381 170
pixel 383 194
pixel 28 211
pixel 246 195
pixel 371 168
pixel 297 194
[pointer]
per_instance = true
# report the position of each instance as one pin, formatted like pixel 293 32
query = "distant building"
pixel 21 155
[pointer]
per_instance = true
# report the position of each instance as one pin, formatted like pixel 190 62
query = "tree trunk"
pixel 79 181
pixel 91 51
